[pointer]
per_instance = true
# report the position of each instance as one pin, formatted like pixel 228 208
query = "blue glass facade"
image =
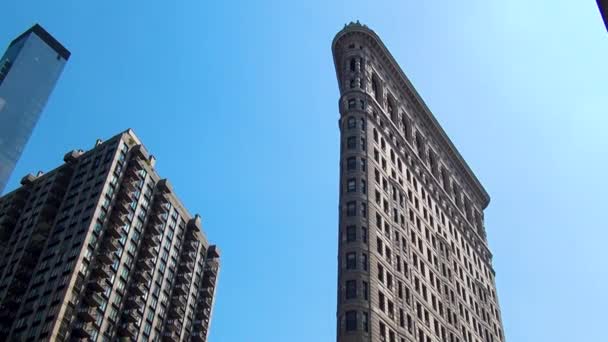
pixel 29 69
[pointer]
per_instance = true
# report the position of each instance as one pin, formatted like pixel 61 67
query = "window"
pixel 351 122
pixel 364 261
pixel 351 208
pixel 351 261
pixel 351 164
pixel 365 290
pixel 353 64
pixel 351 143
pixel 351 320
pixel 351 289
pixel 351 233
pixel 351 185
pixel 363 187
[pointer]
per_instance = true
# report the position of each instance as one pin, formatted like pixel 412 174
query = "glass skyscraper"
pixel 29 70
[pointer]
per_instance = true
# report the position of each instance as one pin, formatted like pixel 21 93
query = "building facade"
pixel 101 249
pixel 29 70
pixel 413 259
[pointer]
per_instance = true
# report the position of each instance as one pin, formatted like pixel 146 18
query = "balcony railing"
pixel 92 299
pixel 135 302
pixel 102 271
pixel 96 285
pixel 142 276
pixel 127 330
pixel 181 289
pixel 84 330
pixel 183 278
pixel 88 314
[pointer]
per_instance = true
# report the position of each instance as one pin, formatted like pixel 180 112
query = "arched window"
pixel 353 64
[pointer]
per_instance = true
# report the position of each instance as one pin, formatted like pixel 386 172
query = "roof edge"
pixel 47 38
pixel 361 28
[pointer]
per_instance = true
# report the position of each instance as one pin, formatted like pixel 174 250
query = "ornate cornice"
pixel 401 80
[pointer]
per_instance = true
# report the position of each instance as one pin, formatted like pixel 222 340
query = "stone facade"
pixel 413 260
pixel 101 249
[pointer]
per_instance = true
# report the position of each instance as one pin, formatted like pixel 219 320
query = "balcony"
pixel 212 266
pixel 190 246
pixel 138 289
pixel 133 174
pixel 151 240
pixel 92 299
pixel 84 330
pixel 189 257
pixel 187 267
pixel 208 280
pixel 174 325
pixel 153 229
pixel 170 336
pixel 113 230
pixel 181 289
pixel 110 245
pixel 88 314
pixel 199 335
pixel 183 278
pixel 145 264
pixel 118 219
pixel 142 276
pixel 213 252
pixel 128 330
pixel 135 302
pixel 122 208
pixel 190 234
pixel 157 219
pixel 132 316
pixel 102 272
pixel 176 312
pixel 207 292
pixel 205 302
pixel 128 186
pixel 146 253
pixel 96 285
pixel 207 313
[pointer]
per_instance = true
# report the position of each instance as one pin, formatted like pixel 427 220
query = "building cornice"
pixel 408 89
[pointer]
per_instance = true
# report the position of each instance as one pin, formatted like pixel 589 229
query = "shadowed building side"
pixel 102 249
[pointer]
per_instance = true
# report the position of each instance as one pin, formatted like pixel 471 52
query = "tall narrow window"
pixel 351 122
pixel 351 185
pixel 351 164
pixel 351 209
pixel 353 64
pixel 351 320
pixel 351 233
pixel 351 289
pixel 351 261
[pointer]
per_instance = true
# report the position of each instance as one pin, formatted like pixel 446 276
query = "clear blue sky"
pixel 239 104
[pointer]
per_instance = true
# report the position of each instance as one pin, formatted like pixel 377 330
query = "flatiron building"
pixel 413 260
